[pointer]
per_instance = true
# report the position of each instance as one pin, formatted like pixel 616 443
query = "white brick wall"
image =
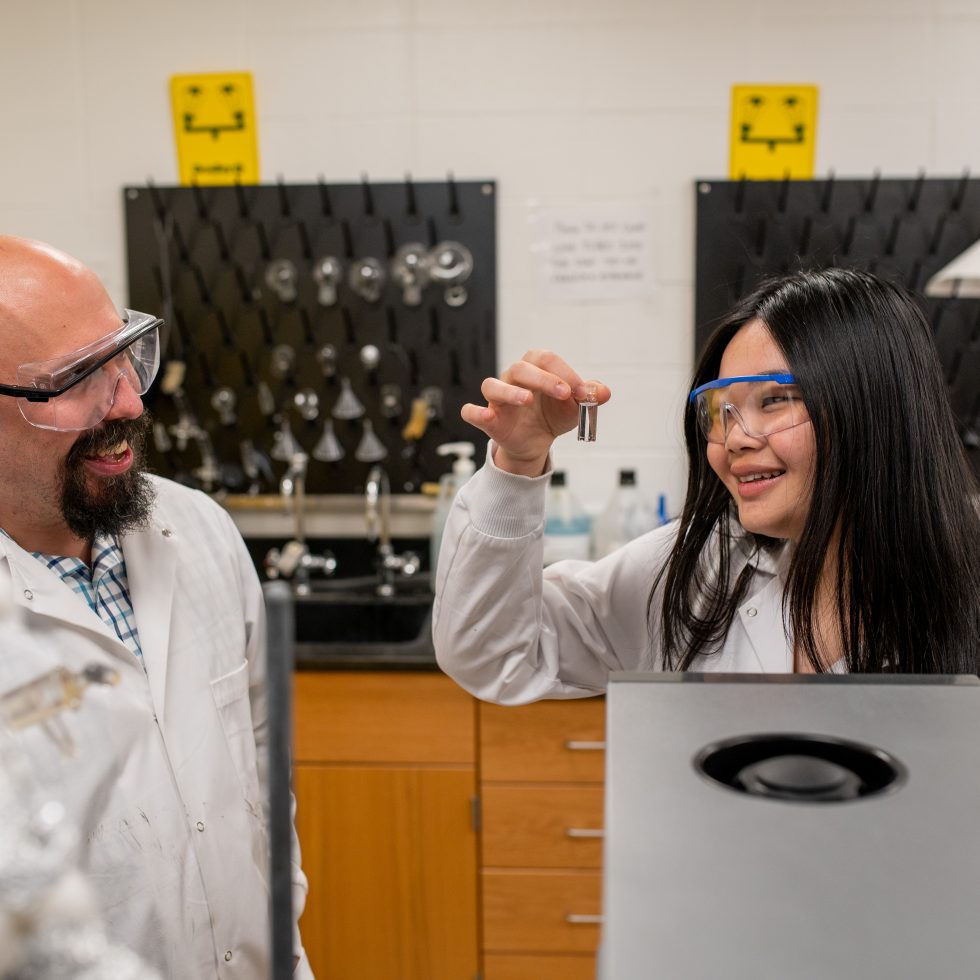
pixel 563 101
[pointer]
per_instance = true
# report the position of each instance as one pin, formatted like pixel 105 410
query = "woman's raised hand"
pixel 532 403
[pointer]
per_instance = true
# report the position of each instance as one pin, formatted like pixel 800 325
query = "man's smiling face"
pixel 62 486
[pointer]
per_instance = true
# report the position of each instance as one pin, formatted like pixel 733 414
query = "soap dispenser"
pixel 449 484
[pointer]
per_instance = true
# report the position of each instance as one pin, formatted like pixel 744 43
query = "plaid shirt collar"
pixel 106 555
pixel 104 586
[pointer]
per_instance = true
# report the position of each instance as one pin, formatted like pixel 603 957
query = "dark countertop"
pixel 393 656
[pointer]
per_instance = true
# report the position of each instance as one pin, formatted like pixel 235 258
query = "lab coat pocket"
pixel 230 693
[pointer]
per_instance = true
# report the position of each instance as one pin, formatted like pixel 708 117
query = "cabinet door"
pixel 391 857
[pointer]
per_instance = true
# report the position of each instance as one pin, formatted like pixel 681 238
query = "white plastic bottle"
pixel 627 515
pixel 567 527
pixel 449 484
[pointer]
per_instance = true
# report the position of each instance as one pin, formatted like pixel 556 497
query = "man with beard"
pixel 118 569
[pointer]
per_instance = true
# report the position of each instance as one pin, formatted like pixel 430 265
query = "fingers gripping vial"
pixel 588 412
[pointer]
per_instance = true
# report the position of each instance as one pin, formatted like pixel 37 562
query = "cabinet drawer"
pixel 382 717
pixel 508 966
pixel 542 826
pixel 557 741
pixel 524 912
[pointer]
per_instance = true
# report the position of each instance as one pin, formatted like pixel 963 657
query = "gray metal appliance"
pixel 787 827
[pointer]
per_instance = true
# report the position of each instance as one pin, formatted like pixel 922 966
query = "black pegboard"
pixel 199 256
pixel 904 230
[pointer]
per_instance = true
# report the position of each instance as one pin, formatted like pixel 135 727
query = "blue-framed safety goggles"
pixel 760 404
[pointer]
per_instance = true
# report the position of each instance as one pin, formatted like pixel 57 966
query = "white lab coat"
pixel 510 633
pixel 167 783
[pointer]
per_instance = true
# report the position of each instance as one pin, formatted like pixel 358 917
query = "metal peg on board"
pixel 228 319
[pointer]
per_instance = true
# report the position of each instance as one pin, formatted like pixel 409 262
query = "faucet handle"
pixel 292 557
pixel 406 564
pixel 271 563
pixel 325 563
pixel 283 563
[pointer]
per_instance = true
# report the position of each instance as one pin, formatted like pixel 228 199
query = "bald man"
pixel 118 568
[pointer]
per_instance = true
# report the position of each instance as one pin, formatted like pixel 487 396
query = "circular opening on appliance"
pixel 800 768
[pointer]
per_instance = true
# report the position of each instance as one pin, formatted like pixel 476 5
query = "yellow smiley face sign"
pixel 774 129
pixel 214 125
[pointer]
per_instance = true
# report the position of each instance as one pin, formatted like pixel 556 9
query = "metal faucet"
pixel 294 560
pixel 377 508
pixel 377 517
pixel 293 487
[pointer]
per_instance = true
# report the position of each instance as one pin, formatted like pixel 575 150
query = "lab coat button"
pixel 751 611
pixel 228 956
pixel 167 533
pixel 28 594
pixel 200 826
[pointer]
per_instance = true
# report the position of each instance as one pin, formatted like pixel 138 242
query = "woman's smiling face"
pixel 777 504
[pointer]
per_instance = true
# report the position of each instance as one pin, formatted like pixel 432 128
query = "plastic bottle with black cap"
pixel 626 516
pixel 567 527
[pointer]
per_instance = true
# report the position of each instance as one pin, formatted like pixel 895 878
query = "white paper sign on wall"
pixel 596 252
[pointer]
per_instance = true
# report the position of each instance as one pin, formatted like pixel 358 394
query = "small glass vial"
pixel 588 412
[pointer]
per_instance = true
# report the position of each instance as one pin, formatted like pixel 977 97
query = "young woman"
pixel 831 520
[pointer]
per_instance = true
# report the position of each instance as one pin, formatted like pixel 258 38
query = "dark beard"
pixel 114 505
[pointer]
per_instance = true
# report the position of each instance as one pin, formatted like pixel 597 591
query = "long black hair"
pixel 893 500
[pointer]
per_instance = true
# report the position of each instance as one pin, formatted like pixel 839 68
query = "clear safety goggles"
pixel 760 404
pixel 75 391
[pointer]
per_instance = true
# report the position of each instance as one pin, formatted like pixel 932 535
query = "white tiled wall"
pixel 564 102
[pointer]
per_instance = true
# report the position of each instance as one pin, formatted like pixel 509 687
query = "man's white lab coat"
pixel 167 784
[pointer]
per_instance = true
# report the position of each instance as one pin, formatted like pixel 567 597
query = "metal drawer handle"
pixel 577 746
pixel 583 920
pixel 584 832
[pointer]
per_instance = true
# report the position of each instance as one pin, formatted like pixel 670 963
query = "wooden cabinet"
pixel 541 772
pixel 384 775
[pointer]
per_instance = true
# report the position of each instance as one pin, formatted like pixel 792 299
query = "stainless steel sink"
pixel 344 622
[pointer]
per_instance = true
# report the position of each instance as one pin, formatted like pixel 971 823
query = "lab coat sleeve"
pixel 508 631
pixel 255 653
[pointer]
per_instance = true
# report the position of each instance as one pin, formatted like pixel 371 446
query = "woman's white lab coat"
pixel 511 634
pixel 166 783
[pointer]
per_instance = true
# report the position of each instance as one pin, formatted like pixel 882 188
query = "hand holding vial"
pixel 533 402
